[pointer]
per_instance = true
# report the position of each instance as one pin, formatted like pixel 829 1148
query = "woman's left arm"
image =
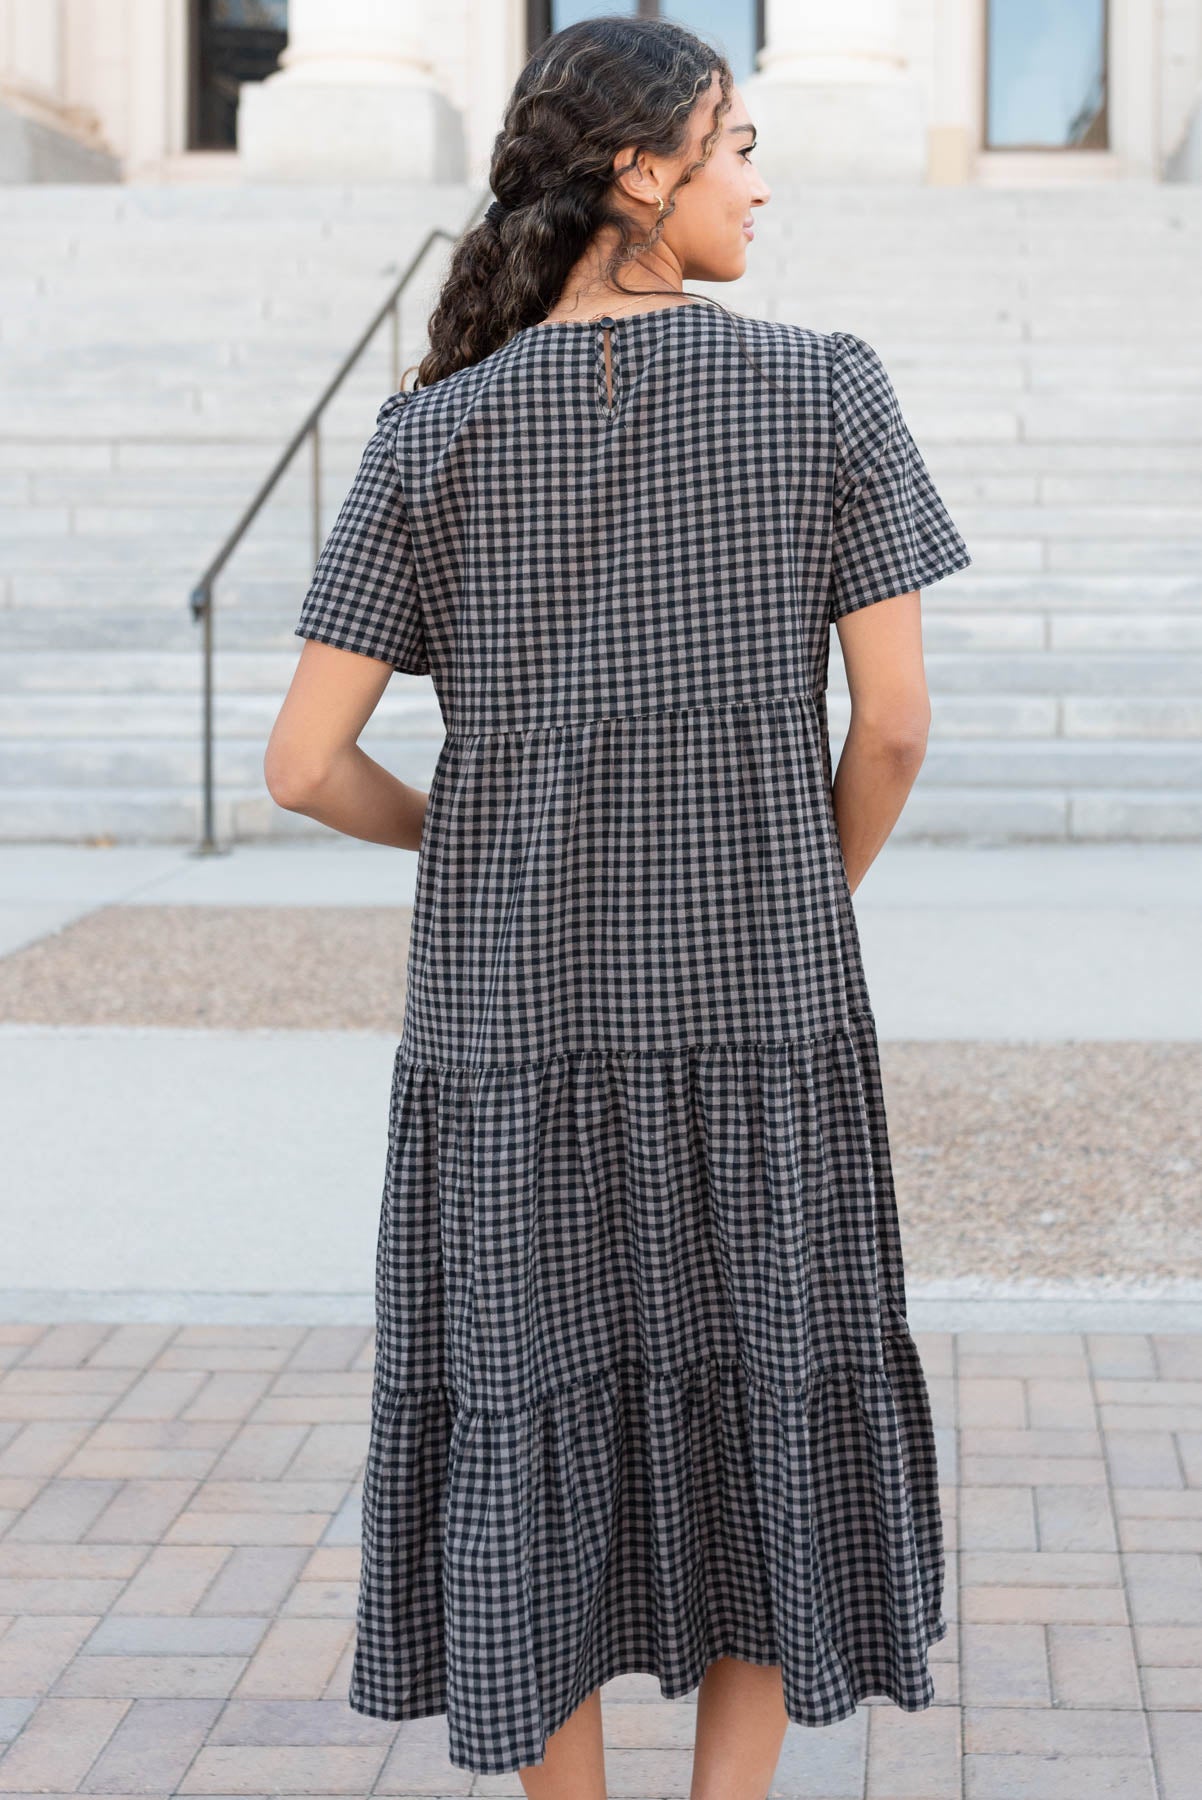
pixel 314 763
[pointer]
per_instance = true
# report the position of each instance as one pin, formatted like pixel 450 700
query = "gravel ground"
pixel 227 968
pixel 1016 1161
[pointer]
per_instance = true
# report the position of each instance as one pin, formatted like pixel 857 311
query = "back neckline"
pixel 650 312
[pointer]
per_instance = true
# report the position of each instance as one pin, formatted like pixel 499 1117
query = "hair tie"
pixel 496 212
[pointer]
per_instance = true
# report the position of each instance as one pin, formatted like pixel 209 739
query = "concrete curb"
pixel 971 1304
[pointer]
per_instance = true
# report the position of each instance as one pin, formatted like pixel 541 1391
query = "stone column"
pixel 44 136
pixel 951 140
pixel 833 95
pixel 354 99
pixel 1184 162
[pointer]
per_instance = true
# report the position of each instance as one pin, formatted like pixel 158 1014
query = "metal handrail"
pixel 201 598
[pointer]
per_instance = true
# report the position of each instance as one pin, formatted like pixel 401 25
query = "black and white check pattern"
pixel 645 1393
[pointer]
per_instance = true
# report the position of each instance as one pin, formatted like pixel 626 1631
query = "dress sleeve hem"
pixel 324 634
pixel 902 584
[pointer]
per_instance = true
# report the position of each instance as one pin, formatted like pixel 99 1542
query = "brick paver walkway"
pixel 179 1551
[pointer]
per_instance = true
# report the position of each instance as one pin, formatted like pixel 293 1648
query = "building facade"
pixel 965 92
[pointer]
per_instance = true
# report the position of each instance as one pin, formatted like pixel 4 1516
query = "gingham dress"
pixel 644 1393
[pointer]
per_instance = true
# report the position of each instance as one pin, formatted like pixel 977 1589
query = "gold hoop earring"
pixel 659 201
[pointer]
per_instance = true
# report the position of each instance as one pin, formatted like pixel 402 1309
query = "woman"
pixel 645 1397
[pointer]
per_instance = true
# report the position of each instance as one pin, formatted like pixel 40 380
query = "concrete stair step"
pixel 1162 472
pixel 1066 672
pixel 174 756
pixel 1108 532
pixel 95 760
pixel 208 490
pixel 172 711
pixel 981 815
pixel 1054 390
pixel 173 763
pixel 146 698
pixel 124 613
pixel 255 653
pixel 100 814
pixel 1008 815
pixel 48 549
pixel 46 546
pixel 964 459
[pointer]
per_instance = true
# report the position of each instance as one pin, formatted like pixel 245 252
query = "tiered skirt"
pixel 645 1393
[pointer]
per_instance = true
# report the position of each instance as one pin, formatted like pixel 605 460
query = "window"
pixel 734 27
pixel 1045 75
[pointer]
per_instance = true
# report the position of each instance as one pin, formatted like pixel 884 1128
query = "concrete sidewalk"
pixel 1043 942
pixel 163 1171
pixel 186 1345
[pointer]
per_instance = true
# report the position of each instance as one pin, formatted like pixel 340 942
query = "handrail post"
pixel 316 489
pixel 396 341
pixel 202 603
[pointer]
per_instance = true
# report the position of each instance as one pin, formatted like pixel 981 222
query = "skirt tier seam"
pixel 744 702
pixel 781 1389
pixel 845 1028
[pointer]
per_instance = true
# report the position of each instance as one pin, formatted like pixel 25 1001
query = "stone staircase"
pixel 158 344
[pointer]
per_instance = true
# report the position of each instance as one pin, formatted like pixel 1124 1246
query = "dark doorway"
pixel 232 41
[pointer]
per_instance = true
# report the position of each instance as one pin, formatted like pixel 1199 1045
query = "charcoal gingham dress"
pixel 644 1391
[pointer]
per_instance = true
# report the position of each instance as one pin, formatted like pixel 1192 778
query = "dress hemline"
pixel 814 1717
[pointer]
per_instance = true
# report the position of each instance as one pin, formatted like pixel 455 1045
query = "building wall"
pixel 1180 70
pixel 478 47
pixel 116 66
pixel 129 59
pixel 119 68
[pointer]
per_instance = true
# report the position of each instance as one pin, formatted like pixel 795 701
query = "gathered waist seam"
pixel 758 701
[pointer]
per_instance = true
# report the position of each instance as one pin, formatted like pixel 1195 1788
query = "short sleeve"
pixel 891 533
pixel 364 593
